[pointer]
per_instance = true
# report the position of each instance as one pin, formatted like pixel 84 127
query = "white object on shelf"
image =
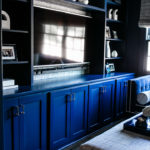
pixel 8 82
pixel 108 49
pixel 114 53
pixel 5 20
pixel 110 14
pixel 115 14
pixel 84 1
pixel 10 87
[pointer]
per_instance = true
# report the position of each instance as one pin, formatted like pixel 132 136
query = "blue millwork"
pixel 25 123
pixel 79 111
pixel 121 95
pixel 11 124
pixel 33 122
pixel 107 103
pixel 101 103
pixel 68 115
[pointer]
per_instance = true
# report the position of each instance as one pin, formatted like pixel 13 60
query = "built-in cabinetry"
pixel 54 118
pixel 101 103
pixel 68 115
pixel 25 123
pixel 115 33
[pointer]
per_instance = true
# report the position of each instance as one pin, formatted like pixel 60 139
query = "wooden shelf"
pixel 69 7
pixel 114 58
pixel 113 3
pixel 15 62
pixel 87 7
pixel 15 31
pixel 115 40
pixel 114 21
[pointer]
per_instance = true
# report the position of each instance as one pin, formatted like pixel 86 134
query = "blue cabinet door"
pixel 59 118
pixel 79 111
pixel 121 95
pixel 11 124
pixel 33 122
pixel 95 98
pixel 107 102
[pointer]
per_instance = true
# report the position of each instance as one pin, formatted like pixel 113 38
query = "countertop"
pixel 60 83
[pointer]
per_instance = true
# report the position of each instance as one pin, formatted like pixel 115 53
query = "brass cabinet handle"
pixel 73 97
pixel 16 111
pixel 22 110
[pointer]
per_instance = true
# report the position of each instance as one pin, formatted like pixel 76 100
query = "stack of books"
pixel 9 84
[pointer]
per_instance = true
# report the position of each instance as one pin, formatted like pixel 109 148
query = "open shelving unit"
pixel 119 43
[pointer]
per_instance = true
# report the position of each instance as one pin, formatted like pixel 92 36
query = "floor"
pixel 76 145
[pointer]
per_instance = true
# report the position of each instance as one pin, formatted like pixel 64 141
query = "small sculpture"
pixel 5 20
pixel 114 53
pixel 110 14
pixel 115 14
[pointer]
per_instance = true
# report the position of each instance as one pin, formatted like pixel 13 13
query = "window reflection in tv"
pixel 58 38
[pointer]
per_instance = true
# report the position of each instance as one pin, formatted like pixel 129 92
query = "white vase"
pixel 108 53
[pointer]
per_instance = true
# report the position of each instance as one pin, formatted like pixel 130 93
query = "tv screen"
pixel 58 38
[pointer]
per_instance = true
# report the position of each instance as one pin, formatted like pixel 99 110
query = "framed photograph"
pixel 110 67
pixel 8 52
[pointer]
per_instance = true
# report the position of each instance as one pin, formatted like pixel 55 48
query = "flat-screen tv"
pixel 58 38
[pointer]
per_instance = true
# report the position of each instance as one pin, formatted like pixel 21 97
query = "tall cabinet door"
pixel 33 122
pixel 107 103
pixel 59 118
pixel 95 98
pixel 11 124
pixel 121 95
pixel 79 111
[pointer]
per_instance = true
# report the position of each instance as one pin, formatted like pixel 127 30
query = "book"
pixel 8 82
pixel 10 87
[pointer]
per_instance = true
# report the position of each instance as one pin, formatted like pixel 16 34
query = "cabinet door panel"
pixel 95 97
pixel 121 95
pixel 59 118
pixel 79 111
pixel 107 103
pixel 33 122
pixel 11 125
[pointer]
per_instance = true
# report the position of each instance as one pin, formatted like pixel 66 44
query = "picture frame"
pixel 110 67
pixel 9 52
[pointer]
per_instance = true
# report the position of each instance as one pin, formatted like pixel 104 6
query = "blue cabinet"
pixel 33 122
pixel 25 123
pixel 68 115
pixel 121 95
pixel 101 103
pixel 11 124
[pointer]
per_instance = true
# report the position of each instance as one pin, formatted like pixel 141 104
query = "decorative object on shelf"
pixel 86 2
pixel 115 14
pixel 110 14
pixel 108 33
pixel 114 53
pixel 5 20
pixel 8 52
pixel 108 51
pixel 114 34
pixel 110 67
pixel 141 122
